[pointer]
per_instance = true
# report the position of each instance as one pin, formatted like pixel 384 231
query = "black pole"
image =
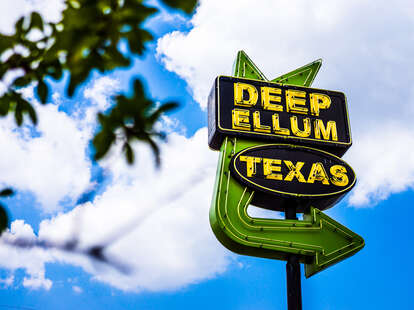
pixel 294 290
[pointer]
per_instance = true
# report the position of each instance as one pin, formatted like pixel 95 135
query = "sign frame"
pixel 217 131
pixel 294 149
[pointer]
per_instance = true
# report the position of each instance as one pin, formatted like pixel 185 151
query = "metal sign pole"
pixel 294 289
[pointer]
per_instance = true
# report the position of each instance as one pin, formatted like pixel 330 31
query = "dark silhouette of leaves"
pixel 6 192
pixel 36 21
pixel 95 252
pixel 131 119
pixel 4 219
pixel 129 153
pixel 86 39
pixel 42 91
pixel 185 5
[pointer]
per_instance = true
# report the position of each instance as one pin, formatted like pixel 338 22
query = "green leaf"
pixel 102 142
pixel 77 78
pixel 187 6
pixel 129 153
pixel 4 219
pixel 19 26
pixel 167 107
pixel 18 114
pixel 116 59
pixel 155 150
pixel 163 109
pixel 42 91
pixel 136 40
pixel 21 81
pixel 32 113
pixel 36 21
pixel 138 88
pixel 4 105
pixel 5 42
pixel 55 69
pixel 6 192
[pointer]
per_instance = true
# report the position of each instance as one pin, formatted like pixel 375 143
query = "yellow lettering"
pixel 327 131
pixel 256 123
pixel 276 126
pixel 295 128
pixel 240 119
pixel 319 101
pixel 318 173
pixel 294 171
pixel 269 166
pixel 251 162
pixel 268 96
pixel 339 177
pixel 294 100
pixel 239 91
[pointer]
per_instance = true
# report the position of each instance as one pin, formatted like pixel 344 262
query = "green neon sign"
pixel 318 240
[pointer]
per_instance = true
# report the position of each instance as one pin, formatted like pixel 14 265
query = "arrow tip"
pixel 244 67
pixel 339 243
pixel 303 76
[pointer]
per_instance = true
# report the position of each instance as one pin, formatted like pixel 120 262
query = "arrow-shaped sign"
pixel 245 67
pixel 303 76
pixel 318 240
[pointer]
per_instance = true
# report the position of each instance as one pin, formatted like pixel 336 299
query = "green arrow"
pixel 318 240
pixel 244 67
pixel 302 76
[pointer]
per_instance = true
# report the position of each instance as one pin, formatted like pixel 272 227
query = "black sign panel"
pixel 260 110
pixel 297 172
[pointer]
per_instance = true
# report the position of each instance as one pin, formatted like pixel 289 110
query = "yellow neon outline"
pixel 283 136
pixel 288 193
pixel 252 63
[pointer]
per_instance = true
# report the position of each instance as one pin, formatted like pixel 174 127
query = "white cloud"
pixel 51 160
pixel 9 77
pixel 156 222
pixel 77 289
pixel 99 93
pixel 32 260
pixel 7 282
pixel 385 165
pixel 358 47
pixel 161 217
pixel 37 282
pixel 46 163
pixel 366 49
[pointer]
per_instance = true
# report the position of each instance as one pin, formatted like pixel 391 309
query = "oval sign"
pixel 288 170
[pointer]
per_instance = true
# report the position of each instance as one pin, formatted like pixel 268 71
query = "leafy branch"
pixel 133 122
pixel 86 39
pixel 95 252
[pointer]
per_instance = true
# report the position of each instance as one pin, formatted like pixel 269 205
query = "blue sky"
pixel 163 214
